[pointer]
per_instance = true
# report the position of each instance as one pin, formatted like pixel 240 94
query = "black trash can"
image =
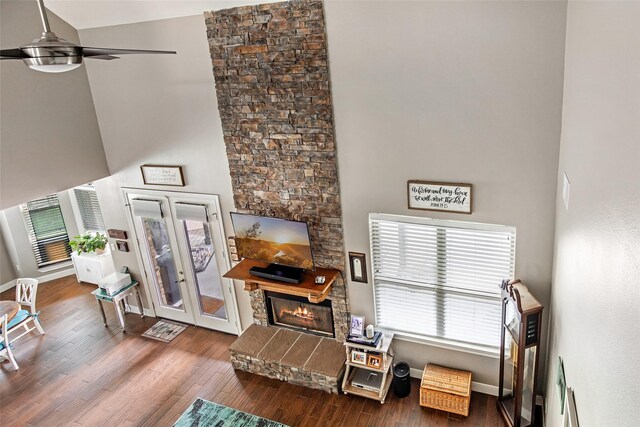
pixel 401 379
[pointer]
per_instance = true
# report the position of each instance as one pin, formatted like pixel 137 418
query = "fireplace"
pixel 298 313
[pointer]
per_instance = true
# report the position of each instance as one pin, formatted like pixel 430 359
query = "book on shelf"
pixel 372 342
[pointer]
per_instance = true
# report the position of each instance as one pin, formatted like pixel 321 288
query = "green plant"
pixel 88 243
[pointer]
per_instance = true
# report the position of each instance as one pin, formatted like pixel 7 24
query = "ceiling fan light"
pixel 54 68
pixel 51 64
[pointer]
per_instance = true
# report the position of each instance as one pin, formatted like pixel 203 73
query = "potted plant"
pixel 89 243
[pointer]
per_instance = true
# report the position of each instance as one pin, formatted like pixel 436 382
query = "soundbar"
pixel 281 273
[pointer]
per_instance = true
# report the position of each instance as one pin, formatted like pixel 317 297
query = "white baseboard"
pixel 147 311
pixel 42 279
pixel 8 285
pixel 56 275
pixel 491 390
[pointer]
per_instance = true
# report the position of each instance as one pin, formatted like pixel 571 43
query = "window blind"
pixel 440 279
pixel 46 229
pixel 89 209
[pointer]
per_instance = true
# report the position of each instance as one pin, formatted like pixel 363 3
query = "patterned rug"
pixel 164 330
pixel 204 413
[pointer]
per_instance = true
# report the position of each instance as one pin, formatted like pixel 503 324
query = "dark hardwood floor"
pixel 82 373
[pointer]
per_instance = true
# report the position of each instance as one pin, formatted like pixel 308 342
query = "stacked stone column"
pixel 274 97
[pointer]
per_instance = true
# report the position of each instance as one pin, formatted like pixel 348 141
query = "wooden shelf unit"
pixel 386 352
pixel 315 293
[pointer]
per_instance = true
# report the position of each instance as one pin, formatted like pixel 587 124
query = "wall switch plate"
pixel 113 246
pixel 566 186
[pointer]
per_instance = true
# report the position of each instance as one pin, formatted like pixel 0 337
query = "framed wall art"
pixel 439 196
pixel 122 246
pixel 358 266
pixel 117 234
pixel 162 175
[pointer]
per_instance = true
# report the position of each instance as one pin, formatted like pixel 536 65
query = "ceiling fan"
pixel 52 54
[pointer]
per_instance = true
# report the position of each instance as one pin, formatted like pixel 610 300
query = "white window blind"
pixel 440 279
pixel 47 232
pixel 89 208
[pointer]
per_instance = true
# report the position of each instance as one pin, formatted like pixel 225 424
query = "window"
pixel 46 229
pixel 89 209
pixel 439 280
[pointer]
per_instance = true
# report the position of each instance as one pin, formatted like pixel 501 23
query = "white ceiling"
pixel 83 14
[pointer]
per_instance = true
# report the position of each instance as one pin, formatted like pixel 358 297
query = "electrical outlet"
pixel 112 246
pixel 566 187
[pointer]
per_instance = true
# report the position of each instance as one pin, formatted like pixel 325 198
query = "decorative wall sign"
pixel 358 264
pixel 122 246
pixel 162 175
pixel 439 196
pixel 117 234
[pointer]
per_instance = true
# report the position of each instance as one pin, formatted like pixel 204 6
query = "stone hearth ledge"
pixel 297 358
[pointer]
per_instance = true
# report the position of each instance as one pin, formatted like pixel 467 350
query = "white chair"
pixel 26 292
pixel 5 346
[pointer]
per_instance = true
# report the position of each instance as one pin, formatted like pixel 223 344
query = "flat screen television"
pixel 277 241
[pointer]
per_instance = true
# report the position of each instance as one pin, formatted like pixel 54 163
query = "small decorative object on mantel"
pixel 117 234
pixel 358 264
pixel 357 326
pixel 439 196
pixel 162 175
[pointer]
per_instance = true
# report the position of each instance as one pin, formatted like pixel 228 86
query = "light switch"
pixel 566 186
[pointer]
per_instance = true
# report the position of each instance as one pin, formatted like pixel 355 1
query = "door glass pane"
pixel 161 256
pixel 203 261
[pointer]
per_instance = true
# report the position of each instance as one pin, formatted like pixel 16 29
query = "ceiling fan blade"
pixel 105 57
pixel 100 51
pixel 12 54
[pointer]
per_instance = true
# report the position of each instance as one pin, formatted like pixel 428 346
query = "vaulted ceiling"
pixel 83 14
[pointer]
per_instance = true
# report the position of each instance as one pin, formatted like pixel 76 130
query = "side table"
pixel 385 353
pixel 117 300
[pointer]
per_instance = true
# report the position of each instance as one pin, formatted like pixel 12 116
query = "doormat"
pixel 205 413
pixel 165 331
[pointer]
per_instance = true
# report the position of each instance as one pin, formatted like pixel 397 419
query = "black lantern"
pixel 519 354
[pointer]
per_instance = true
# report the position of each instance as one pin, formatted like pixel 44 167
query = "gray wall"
pixel 7 272
pixel 449 91
pixel 596 294
pixel 49 132
pixel 159 109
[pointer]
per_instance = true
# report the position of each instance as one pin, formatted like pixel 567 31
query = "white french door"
pixel 181 243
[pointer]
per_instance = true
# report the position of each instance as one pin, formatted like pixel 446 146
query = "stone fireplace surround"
pixel 274 97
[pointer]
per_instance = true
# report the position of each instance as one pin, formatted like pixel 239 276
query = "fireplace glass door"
pixel 299 314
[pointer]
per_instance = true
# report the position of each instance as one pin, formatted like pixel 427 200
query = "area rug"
pixel 204 413
pixel 164 330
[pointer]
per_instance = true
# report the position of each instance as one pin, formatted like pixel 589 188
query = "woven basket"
pixel 446 389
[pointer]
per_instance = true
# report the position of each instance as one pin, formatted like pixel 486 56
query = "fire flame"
pixel 300 312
